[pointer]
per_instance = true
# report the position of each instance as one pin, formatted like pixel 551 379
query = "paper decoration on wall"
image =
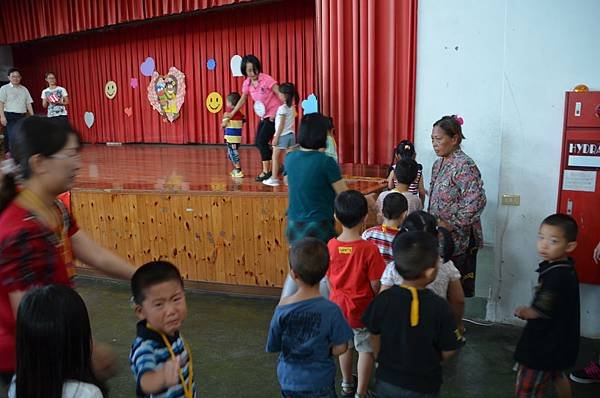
pixel 110 89
pixel 259 108
pixel 310 105
pixel 133 82
pixel 214 102
pixel 128 111
pixel 88 117
pixel 166 93
pixel 147 67
pixel 211 64
pixel 236 65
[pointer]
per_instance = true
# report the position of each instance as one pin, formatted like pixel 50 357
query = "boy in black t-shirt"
pixel 412 329
pixel 550 341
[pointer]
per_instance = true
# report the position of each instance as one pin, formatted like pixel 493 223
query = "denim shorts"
pixel 286 141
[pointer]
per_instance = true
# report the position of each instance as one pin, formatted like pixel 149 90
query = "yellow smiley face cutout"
pixel 214 102
pixel 110 89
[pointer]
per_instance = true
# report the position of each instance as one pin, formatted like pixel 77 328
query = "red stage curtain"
pixel 281 34
pixel 23 20
pixel 367 60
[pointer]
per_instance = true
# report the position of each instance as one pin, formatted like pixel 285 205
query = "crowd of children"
pixel 395 298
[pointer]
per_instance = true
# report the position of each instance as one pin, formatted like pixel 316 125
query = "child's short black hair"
pixel 414 252
pixel 564 222
pixel 313 131
pixel 350 208
pixel 309 259
pixel 151 274
pixel 11 70
pixel 394 204
pixel 233 98
pixel 406 171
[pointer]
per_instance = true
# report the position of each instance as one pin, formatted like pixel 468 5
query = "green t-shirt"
pixel 310 175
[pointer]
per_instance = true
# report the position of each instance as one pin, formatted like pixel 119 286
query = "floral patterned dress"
pixel 457 197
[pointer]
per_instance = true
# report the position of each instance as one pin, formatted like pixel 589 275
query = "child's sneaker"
pixel 588 375
pixel 238 173
pixel 272 181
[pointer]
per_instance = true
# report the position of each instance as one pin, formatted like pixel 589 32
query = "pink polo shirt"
pixel 263 92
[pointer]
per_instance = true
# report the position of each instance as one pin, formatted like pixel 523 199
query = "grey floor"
pixel 227 336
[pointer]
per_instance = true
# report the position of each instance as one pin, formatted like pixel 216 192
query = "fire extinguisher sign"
pixel 585 154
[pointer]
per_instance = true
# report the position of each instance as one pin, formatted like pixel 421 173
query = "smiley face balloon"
pixel 214 102
pixel 110 89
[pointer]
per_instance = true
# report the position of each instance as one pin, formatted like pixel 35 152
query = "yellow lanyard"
pixel 49 213
pixel 414 305
pixel 187 389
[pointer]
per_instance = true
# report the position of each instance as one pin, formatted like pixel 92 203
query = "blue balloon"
pixel 211 64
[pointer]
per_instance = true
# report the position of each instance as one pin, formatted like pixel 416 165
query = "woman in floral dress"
pixel 457 197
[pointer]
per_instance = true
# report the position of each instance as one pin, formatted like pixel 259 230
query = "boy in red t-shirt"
pixel 354 271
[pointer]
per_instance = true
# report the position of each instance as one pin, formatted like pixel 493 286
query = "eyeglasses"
pixel 73 155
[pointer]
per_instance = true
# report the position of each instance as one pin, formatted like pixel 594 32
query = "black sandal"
pixel 263 176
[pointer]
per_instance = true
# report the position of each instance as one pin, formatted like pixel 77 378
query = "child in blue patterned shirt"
pixel 160 359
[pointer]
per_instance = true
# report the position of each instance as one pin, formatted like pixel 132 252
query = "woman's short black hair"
pixel 249 58
pixel 33 135
pixel 313 131
pixel 11 70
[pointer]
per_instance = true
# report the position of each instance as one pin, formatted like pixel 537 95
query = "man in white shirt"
pixel 15 103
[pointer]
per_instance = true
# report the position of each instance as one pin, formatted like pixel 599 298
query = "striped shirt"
pixel 233 130
pixel 383 237
pixel 414 186
pixel 148 353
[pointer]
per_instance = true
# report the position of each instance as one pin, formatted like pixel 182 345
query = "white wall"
pixel 504 67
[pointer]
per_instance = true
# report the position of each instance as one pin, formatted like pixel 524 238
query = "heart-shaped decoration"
pixel 310 105
pixel 147 67
pixel 236 65
pixel 88 117
pixel 166 93
pixel 128 111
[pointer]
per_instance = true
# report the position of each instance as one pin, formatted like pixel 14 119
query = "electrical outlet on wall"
pixel 511 200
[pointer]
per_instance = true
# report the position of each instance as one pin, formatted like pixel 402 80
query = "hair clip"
pixel 407 147
pixel 458 119
pixel 9 167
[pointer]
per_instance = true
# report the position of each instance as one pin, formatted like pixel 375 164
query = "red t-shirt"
pixel 30 255
pixel 352 267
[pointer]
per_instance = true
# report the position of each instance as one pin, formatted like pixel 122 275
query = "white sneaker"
pixel 271 181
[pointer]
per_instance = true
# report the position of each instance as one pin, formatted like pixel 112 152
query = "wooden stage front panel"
pixel 177 203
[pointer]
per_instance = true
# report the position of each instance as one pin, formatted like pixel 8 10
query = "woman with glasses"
pixel 39 238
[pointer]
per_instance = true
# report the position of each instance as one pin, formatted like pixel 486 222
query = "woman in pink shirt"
pixel 264 91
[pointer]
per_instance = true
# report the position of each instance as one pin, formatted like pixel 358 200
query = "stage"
pixel 178 203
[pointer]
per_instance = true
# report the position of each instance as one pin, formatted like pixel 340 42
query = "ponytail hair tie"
pixel 458 119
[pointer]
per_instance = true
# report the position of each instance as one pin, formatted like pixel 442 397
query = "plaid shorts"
pixel 323 230
pixel 532 383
